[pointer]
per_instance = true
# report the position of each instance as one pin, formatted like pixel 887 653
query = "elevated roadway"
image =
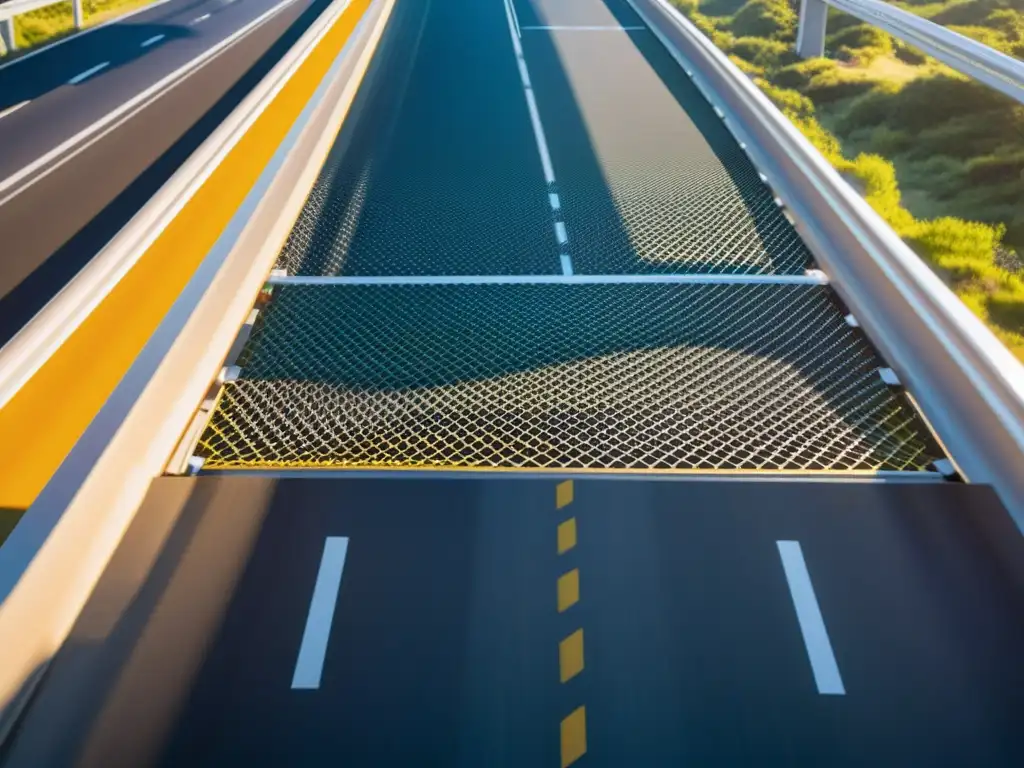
pixel 518 410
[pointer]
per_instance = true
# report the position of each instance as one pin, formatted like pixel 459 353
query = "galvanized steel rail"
pixel 967 56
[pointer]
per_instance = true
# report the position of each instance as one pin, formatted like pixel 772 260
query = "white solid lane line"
pixel 812 625
pixel 88 73
pixel 515 17
pixel 310 663
pixel 12 110
pixel 153 39
pixel 199 19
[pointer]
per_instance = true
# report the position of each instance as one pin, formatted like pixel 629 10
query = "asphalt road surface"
pixel 459 622
pixel 65 188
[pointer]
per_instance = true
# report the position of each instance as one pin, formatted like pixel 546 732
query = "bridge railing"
pixel 14 8
pixel 967 56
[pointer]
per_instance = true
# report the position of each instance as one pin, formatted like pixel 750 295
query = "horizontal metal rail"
pixel 54 556
pixel 961 376
pixel 813 277
pixel 967 56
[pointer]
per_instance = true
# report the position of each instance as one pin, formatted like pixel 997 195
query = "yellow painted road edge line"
pixel 573 728
pixel 42 422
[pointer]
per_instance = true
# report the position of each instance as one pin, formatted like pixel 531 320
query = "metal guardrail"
pixel 14 8
pixel 967 56
pixel 53 558
pixel 962 378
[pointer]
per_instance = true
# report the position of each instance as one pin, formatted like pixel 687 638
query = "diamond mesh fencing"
pixel 437 172
pixel 639 376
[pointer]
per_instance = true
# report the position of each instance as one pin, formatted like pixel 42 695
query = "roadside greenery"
pixel 57 20
pixel 940 158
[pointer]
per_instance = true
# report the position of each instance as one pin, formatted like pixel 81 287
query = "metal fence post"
pixel 76 6
pixel 810 37
pixel 7 35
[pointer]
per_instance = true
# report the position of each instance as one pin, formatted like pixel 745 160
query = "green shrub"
pixel 991 37
pixel 870 109
pixel 827 144
pixel 799 75
pixel 888 142
pixel 719 7
pixel 862 42
pixel 960 137
pixel 792 103
pixel 838 21
pixel 746 67
pixel 763 53
pixel 965 248
pixel 1007 21
pixel 42 24
pixel 1007 309
pixel 881 190
pixel 688 7
pixel 908 54
pixel 836 85
pixel 928 102
pixel 1015 233
pixel 773 19
pixel 996 169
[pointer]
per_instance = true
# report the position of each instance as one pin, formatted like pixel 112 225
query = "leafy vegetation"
pixel 57 20
pixel 939 157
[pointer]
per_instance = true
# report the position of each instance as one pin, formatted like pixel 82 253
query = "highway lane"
pixel 437 172
pixel 124 58
pixel 53 227
pixel 451 636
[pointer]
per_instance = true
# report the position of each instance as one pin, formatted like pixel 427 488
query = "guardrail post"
pixel 810 36
pixel 7 35
pixel 76 6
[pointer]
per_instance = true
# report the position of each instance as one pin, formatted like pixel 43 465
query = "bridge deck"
pixel 540 139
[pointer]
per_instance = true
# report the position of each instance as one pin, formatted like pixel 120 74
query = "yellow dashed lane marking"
pixel 42 422
pixel 568 590
pixel 570 655
pixel 563 494
pixel 567 535
pixel 574 737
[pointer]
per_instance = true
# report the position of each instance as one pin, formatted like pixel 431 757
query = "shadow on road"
pixel 120 44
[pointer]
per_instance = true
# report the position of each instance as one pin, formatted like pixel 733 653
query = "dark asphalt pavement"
pixel 50 229
pixel 444 648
